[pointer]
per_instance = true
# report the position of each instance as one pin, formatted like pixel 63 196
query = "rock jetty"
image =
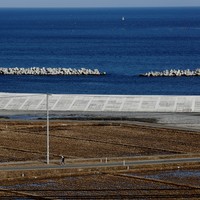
pixel 172 73
pixel 37 71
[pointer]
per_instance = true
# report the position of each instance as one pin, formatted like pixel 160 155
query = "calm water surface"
pixel 149 39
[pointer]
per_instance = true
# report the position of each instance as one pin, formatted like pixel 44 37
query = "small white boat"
pixel 123 18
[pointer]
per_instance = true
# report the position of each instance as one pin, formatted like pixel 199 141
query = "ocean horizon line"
pixel 106 7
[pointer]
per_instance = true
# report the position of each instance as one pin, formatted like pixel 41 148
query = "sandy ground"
pixel 179 120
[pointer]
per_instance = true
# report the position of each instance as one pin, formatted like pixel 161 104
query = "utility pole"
pixel 47 109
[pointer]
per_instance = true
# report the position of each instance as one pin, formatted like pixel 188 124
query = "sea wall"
pixel 99 103
pixel 172 72
pixel 36 71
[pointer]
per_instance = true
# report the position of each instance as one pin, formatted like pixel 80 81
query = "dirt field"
pixel 26 140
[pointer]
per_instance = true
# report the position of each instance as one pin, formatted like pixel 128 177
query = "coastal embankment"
pixel 37 71
pixel 172 72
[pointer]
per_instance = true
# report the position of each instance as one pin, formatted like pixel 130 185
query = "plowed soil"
pixel 26 140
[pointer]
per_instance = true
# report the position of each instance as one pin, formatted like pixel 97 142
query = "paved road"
pixel 101 164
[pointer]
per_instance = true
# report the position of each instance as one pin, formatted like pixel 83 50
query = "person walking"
pixel 62 160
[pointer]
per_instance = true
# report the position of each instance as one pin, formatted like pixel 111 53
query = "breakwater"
pixel 37 71
pixel 172 72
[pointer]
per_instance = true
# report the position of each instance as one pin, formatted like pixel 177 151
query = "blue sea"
pixel 148 39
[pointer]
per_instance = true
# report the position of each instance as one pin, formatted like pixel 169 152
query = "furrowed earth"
pixel 24 141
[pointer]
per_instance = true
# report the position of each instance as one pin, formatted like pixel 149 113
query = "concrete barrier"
pixel 37 71
pixel 172 73
pixel 100 103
